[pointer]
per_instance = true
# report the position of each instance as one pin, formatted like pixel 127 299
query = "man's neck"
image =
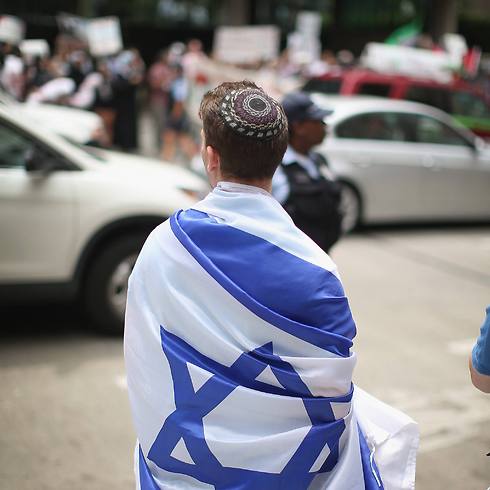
pixel 265 184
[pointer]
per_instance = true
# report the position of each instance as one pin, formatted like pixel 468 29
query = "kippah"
pixel 251 112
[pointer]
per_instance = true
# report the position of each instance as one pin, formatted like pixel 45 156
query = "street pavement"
pixel 418 296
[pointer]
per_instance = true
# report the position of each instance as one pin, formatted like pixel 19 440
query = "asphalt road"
pixel 418 296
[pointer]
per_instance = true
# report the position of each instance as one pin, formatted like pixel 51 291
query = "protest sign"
pixel 304 44
pixel 309 23
pixel 303 49
pixel 104 36
pixel 247 44
pixel 33 48
pixel 73 24
pixel 12 29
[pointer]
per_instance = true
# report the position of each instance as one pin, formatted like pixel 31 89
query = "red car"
pixel 465 102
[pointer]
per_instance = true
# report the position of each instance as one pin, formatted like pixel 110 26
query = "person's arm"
pixel 480 381
pixel 480 358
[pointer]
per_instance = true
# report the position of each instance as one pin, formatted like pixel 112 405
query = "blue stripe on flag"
pixel 372 478
pixel 146 479
pixel 299 297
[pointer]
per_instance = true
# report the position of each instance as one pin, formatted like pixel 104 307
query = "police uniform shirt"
pixel 280 183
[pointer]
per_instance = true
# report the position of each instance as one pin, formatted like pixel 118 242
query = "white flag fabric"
pixel 238 344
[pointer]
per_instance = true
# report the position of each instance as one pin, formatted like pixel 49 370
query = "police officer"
pixel 303 183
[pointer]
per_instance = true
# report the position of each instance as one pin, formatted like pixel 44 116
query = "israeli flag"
pixel 238 353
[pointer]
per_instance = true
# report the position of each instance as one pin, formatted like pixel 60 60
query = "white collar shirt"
pixel 280 184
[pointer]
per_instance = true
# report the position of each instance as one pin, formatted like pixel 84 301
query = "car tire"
pixel 350 206
pixel 105 287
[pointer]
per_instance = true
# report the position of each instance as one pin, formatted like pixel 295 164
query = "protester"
pixel 238 335
pixel 159 79
pixel 64 45
pixel 177 134
pixel 192 60
pixel 79 66
pixel 37 74
pixel 480 357
pixel 303 183
pixel 101 84
pixel 12 77
pixel 129 72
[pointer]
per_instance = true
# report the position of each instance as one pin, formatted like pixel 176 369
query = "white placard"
pixel 12 29
pixel 303 49
pixel 32 48
pixel 73 24
pixel 309 23
pixel 455 45
pixel 304 44
pixel 247 44
pixel 104 36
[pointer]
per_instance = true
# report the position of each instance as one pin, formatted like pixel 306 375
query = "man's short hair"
pixel 247 151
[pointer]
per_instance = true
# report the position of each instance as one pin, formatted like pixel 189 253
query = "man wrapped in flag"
pixel 238 336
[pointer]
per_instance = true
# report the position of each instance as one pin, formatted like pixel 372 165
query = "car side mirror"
pixel 37 161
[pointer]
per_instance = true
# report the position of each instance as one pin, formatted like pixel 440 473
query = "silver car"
pixel 400 161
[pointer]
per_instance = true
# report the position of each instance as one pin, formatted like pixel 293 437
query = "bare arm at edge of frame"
pixel 480 381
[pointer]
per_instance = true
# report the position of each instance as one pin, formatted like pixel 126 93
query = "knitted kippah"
pixel 251 112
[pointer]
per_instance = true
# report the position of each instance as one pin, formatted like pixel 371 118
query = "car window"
pixel 322 86
pixel 92 151
pixel 372 126
pixel 430 130
pixel 14 147
pixel 379 89
pixel 436 97
pixel 468 104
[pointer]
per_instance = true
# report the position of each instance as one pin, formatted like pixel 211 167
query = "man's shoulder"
pixel 156 236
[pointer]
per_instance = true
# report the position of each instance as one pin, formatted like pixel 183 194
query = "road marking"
pixel 461 347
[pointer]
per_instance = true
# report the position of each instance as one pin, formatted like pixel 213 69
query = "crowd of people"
pixel 113 87
pixel 70 76
pixel 119 86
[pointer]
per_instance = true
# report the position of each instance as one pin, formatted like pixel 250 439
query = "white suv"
pixel 72 219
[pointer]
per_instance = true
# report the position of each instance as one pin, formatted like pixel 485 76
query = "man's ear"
pixel 213 161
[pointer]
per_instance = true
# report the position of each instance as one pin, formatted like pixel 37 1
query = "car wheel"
pixel 107 283
pixel 350 206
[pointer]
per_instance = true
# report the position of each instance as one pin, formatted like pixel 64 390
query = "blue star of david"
pixel 186 422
